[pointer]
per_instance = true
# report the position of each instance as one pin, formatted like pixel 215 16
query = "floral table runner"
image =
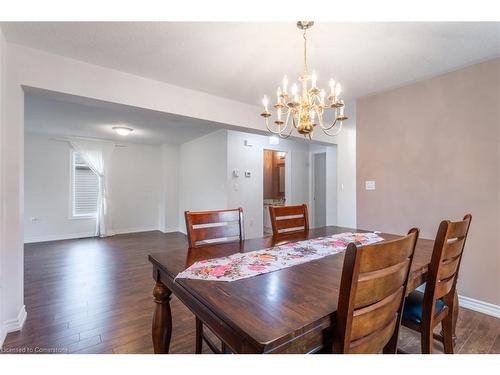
pixel 243 265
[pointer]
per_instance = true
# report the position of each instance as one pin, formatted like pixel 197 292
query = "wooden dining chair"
pixel 424 311
pixel 371 295
pixel 209 227
pixel 289 219
pixel 206 228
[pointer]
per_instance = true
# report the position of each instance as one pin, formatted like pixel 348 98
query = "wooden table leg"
pixel 162 319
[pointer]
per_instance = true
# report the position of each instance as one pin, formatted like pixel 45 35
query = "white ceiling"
pixel 243 61
pixel 58 114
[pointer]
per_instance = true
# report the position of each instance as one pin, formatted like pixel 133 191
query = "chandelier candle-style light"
pixel 305 110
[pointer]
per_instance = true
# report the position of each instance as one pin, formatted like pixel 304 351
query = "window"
pixel 84 188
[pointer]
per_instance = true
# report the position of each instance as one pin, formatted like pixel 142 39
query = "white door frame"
pixel 288 175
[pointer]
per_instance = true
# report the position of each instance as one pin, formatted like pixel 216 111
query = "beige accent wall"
pixel 433 149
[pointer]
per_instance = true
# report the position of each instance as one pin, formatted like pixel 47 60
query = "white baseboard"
pixel 479 306
pixel 58 237
pixel 3 335
pixel 134 230
pixel 169 230
pixel 17 323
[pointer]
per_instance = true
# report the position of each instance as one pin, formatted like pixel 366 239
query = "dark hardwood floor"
pixel 94 296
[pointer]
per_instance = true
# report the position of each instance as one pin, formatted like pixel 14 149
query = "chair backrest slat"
pixel 443 287
pixel 367 320
pixel 445 265
pixel 222 231
pixel 288 219
pixel 291 223
pixel 372 290
pixel 209 217
pixel 373 342
pixel 458 229
pixel 453 248
pixel 209 227
pixel 448 268
pixel 377 285
pixel 394 252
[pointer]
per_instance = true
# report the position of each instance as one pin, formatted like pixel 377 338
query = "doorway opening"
pixel 274 183
pixel 319 189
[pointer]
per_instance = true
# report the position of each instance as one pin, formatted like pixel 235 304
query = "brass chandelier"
pixel 305 111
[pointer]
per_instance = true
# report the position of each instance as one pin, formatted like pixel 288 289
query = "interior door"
pixel 319 190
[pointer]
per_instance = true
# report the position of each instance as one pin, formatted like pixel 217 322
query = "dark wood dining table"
pixel 291 310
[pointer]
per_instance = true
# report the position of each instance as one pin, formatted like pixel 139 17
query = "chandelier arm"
pixel 320 119
pixel 330 126
pixel 286 136
pixel 316 100
pixel 287 122
pixel 335 133
pixel 293 121
pixel 270 130
pixel 319 114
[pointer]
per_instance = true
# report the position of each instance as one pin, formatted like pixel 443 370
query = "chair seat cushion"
pixel 412 312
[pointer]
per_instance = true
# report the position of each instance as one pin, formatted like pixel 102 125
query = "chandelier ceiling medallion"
pixel 305 110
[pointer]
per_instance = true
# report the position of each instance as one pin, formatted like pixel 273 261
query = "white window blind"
pixel 85 188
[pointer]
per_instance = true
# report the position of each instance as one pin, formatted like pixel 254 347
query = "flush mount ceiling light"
pixel 305 109
pixel 122 130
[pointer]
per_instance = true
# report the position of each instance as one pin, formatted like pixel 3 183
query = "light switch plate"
pixel 369 185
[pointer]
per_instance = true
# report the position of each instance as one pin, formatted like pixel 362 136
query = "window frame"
pixel 71 209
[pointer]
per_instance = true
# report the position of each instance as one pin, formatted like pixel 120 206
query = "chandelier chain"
pixel 305 52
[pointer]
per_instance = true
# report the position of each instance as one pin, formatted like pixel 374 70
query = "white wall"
pixel 12 196
pixel 247 192
pixel 202 174
pixel 135 190
pixel 47 192
pixel 346 170
pixel 2 244
pixel 169 215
